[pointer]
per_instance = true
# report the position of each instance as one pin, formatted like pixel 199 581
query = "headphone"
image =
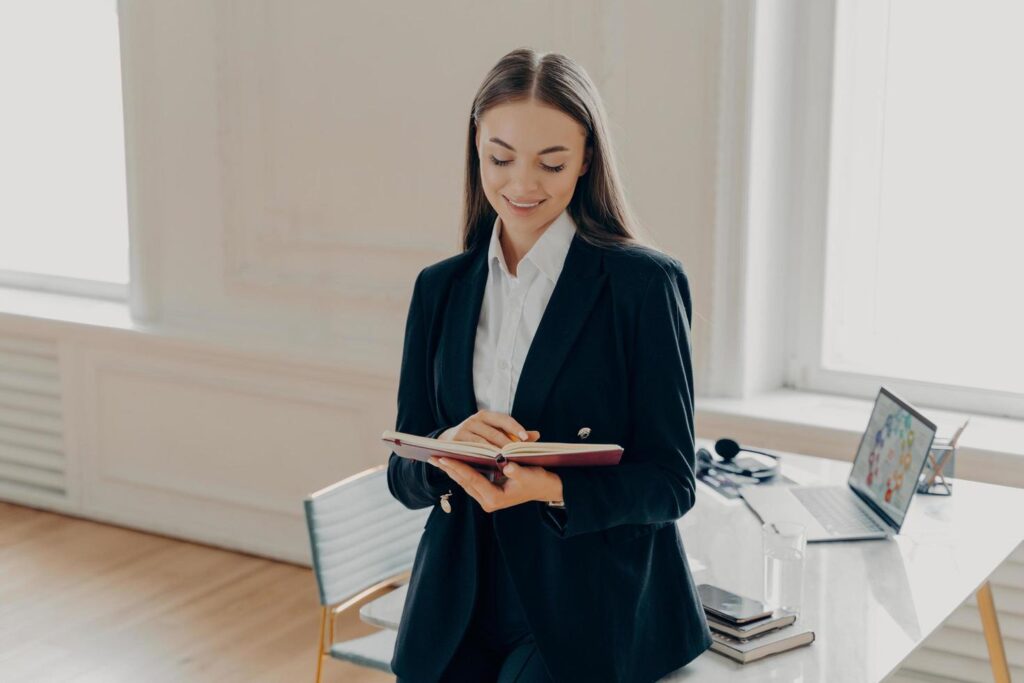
pixel 728 449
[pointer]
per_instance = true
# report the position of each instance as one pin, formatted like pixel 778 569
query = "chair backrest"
pixel 360 534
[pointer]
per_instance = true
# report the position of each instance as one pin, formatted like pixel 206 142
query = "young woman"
pixel 553 322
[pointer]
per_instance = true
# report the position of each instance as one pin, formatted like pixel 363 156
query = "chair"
pixel 362 540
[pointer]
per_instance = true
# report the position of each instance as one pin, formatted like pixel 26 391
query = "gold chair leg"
pixel 330 627
pixel 993 638
pixel 320 645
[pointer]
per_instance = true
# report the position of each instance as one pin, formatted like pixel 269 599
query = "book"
pixel 773 642
pixel 534 453
pixel 777 620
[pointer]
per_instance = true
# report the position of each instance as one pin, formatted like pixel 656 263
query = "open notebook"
pixel 536 453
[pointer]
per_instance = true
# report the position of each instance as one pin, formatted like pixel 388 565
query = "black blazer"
pixel 605 588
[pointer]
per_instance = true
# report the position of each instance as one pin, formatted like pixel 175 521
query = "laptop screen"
pixel 891 456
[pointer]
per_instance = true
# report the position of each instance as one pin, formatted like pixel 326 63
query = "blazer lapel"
pixel 455 377
pixel 575 293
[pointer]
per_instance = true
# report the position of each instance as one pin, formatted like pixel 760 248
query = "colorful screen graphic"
pixel 891 455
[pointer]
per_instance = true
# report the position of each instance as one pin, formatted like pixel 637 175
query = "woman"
pixel 553 321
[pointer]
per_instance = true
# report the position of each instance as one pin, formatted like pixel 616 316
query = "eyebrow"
pixel 546 150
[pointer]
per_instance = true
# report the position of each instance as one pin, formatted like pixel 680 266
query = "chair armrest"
pixel 390 582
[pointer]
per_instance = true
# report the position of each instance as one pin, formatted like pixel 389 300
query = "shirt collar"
pixel 547 253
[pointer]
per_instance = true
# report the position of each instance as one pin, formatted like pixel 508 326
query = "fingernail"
pixel 524 436
pixel 510 468
pixel 442 461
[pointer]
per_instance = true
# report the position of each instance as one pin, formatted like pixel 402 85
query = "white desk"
pixel 870 603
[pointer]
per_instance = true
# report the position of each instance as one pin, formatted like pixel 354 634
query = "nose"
pixel 525 181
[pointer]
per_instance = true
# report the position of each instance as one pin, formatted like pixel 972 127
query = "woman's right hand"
pixel 487 426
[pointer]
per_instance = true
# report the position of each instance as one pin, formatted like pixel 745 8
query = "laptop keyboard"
pixel 836 510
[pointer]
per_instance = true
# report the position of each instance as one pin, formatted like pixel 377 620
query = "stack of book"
pixel 753 640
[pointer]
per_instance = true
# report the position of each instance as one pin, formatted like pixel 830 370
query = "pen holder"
pixel 938 465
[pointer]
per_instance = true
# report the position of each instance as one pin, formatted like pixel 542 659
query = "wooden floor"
pixel 83 601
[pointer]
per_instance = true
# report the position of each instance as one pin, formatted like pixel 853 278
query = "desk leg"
pixel 993 638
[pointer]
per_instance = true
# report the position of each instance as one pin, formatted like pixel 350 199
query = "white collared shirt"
pixel 511 311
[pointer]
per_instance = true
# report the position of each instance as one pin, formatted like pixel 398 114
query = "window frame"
pixel 60 284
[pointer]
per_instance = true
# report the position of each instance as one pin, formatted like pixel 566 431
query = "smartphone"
pixel 730 607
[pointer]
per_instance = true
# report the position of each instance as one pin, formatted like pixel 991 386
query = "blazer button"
pixel 583 433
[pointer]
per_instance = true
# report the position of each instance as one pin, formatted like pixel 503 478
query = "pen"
pixel 956 437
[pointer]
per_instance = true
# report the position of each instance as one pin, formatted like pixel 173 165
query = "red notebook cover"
pixel 572 459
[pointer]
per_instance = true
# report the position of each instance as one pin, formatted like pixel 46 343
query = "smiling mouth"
pixel 523 206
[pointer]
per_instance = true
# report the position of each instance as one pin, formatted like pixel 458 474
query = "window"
pixel 63 213
pixel 924 253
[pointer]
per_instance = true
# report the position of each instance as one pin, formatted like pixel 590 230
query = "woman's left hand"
pixel 523 483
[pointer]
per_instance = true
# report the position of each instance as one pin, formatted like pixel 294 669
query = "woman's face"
pixel 530 154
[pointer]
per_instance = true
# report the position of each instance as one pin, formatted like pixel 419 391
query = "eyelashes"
pixel 551 169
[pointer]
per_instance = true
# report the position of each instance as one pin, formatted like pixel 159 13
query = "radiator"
pixel 32 454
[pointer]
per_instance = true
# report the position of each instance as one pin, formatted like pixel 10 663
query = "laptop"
pixel 882 482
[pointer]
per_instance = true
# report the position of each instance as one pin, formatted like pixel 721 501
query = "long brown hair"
pixel 598 205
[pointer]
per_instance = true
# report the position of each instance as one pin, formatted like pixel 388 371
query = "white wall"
pixel 297 163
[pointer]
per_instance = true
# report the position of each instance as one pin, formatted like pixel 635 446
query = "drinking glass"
pixel 784 546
